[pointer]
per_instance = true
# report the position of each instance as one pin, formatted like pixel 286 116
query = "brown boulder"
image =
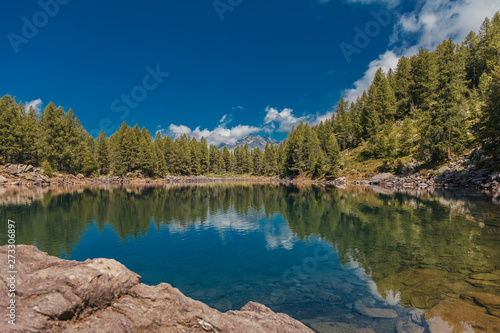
pixel 102 295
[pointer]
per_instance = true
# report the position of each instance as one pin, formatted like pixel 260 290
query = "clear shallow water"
pixel 323 256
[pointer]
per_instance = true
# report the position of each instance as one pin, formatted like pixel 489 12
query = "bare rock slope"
pixel 102 295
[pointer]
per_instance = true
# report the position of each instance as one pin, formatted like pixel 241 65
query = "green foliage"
pixel 47 168
pixel 332 156
pixel 489 130
pixel 405 140
pixel 103 154
pixel 10 130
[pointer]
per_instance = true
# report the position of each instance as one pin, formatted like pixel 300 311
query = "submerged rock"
pixel 490 301
pixel 457 315
pixel 374 312
pixel 102 295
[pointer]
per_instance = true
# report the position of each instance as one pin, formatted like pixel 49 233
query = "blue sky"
pixel 222 69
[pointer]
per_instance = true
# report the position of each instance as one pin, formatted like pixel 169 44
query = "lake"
pixel 335 259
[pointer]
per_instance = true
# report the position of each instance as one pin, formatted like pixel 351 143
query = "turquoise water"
pixel 317 254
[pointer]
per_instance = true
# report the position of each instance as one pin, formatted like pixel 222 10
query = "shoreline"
pixel 481 180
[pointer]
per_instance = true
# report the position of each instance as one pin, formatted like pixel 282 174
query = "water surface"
pixel 334 259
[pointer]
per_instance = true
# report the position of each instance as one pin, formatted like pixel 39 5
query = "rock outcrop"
pixel 101 295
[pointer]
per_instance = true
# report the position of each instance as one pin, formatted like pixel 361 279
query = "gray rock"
pixel 374 312
pixel 377 179
pixel 11 169
pixel 340 180
pixel 444 170
pixel 417 316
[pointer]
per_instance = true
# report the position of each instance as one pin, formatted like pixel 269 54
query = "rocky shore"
pixel 467 172
pixel 27 175
pixel 102 295
pixel 459 174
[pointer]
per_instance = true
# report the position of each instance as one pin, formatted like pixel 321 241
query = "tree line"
pixel 432 107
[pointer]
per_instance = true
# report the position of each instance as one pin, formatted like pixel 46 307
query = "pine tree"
pixel 10 132
pixel 355 136
pixel 332 151
pixel 490 43
pixel 246 160
pixel 135 142
pixel 311 149
pixel 474 65
pixel 183 155
pixel 424 72
pixel 320 166
pixel 195 157
pixel 160 164
pixel 295 151
pixel 204 156
pixel 257 159
pixel 369 119
pixel 226 156
pixel 103 154
pixel 86 157
pixel 214 157
pixel 169 152
pixel 75 144
pixel 270 160
pixel 221 166
pixel 121 142
pixel 145 160
pixel 452 92
pixel 402 86
pixel 405 140
pixel 53 138
pixel 31 137
pixel 381 99
pixel 442 120
pixel 489 129
pixel 342 127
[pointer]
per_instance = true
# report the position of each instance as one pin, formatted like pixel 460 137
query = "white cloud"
pixel 218 136
pixel 179 130
pixel 437 20
pixel 431 22
pixel 385 61
pixel 226 119
pixel 35 104
pixel 284 119
pixel 319 118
